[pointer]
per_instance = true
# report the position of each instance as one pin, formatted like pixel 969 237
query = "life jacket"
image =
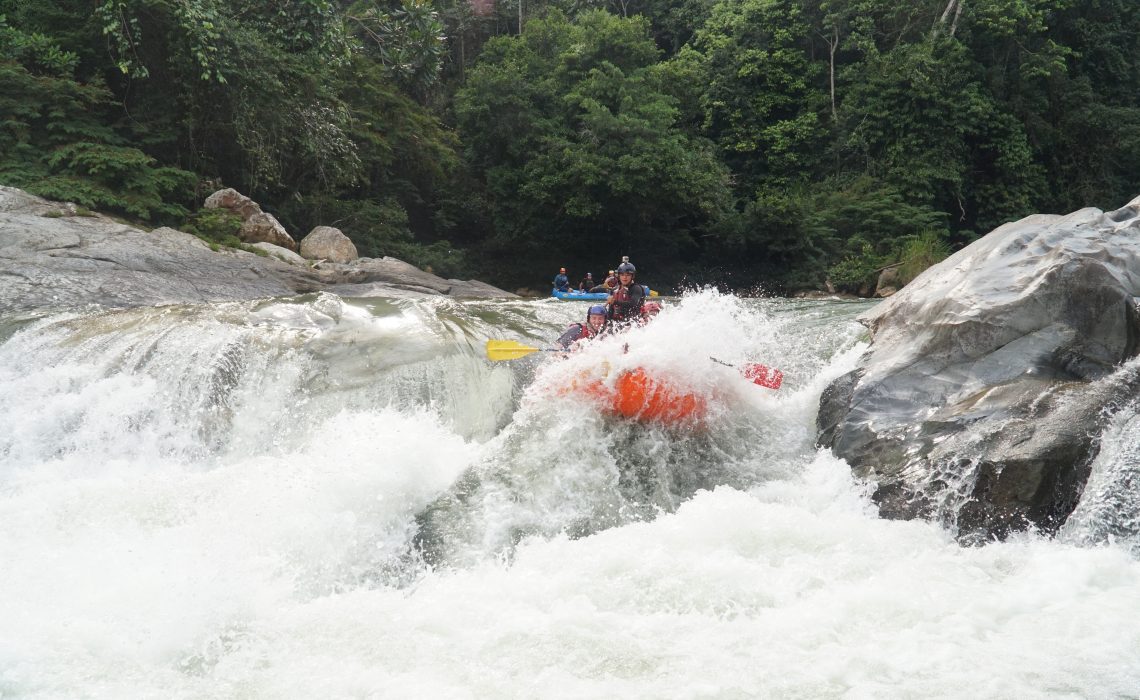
pixel 627 302
pixel 584 333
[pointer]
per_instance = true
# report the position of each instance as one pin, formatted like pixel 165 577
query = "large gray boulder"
pixel 257 226
pixel 328 243
pixel 234 201
pixel 265 228
pixel 989 377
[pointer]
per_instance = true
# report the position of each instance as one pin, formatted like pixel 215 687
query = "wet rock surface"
pixel 990 377
pixel 54 257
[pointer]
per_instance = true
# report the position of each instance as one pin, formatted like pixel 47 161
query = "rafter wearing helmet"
pixel 596 324
pixel 627 298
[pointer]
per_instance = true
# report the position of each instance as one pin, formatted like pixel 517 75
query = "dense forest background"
pixel 778 143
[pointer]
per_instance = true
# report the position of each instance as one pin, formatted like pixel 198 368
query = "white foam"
pixel 143 559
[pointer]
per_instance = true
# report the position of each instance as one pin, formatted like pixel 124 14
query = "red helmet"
pixel 650 308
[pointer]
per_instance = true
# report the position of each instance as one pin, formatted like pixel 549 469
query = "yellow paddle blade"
pixel 507 350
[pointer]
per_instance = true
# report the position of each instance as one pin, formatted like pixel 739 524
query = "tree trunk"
pixel 957 14
pixel 951 5
pixel 833 45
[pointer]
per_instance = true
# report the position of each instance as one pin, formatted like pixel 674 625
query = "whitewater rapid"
pixel 231 500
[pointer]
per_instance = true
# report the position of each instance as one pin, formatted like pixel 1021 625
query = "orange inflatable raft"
pixel 634 394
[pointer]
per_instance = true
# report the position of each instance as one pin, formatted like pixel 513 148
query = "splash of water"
pixel 218 500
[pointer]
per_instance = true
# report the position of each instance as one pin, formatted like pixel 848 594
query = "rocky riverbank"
pixel 56 256
pixel 991 376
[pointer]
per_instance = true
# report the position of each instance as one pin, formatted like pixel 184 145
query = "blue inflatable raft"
pixel 580 296
pixel 592 296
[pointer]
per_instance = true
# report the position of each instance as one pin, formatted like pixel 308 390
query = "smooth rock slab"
pixel 283 254
pixel 51 258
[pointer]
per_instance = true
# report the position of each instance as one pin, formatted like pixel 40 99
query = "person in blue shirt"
pixel 561 281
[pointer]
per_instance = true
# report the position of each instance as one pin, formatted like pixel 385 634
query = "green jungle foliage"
pixel 218 228
pixel 580 152
pixel 57 137
pixel 919 253
pixel 775 143
pixel 212 224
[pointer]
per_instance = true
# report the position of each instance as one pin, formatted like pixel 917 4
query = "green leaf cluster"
pixel 55 140
pixel 217 225
pixel 581 151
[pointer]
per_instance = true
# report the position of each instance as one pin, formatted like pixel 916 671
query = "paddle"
pixel 762 375
pixel 511 350
pixel 759 374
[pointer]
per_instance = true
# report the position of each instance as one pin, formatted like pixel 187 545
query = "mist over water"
pixel 237 500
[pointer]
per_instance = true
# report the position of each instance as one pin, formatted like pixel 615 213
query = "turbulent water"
pixel 327 498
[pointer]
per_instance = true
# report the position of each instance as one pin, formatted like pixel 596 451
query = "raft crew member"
pixel 586 284
pixel 626 300
pixel 561 281
pixel 648 311
pixel 594 326
pixel 608 285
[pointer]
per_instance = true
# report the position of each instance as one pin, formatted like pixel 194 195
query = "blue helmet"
pixel 626 267
pixel 596 310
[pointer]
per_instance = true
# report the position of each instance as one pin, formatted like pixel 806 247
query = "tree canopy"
pixel 782 143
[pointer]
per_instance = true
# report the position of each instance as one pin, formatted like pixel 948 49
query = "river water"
pixel 334 498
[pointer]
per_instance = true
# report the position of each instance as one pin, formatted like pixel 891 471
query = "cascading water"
pixel 318 497
pixel 1109 509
